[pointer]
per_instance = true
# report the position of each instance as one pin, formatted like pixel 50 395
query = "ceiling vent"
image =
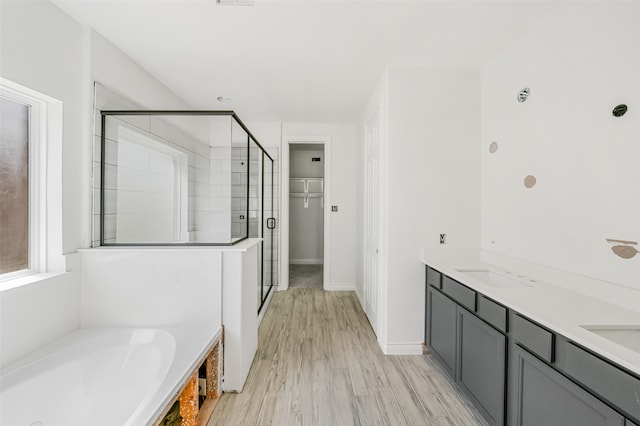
pixel 235 2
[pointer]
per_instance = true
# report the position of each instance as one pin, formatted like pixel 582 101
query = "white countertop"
pixel 560 301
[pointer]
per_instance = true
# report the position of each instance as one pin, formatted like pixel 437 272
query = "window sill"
pixel 24 280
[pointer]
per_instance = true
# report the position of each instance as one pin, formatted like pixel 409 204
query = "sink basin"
pixel 495 279
pixel 624 335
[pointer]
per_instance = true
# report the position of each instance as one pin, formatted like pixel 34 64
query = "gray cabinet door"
pixel 441 335
pixel 481 365
pixel 539 395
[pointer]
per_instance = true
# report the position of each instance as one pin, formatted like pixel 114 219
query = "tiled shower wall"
pixel 239 178
pixel 204 194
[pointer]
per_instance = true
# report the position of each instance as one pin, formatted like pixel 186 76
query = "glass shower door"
pixel 268 226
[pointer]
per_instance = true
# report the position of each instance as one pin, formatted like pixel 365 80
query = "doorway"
pixel 306 226
pixel 306 218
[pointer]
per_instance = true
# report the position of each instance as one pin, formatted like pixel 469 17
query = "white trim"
pixel 45 177
pixel 305 261
pixel 360 297
pixel 283 283
pixel 408 348
pixel 340 287
pixel 181 177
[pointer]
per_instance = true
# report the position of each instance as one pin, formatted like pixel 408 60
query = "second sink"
pixel 624 335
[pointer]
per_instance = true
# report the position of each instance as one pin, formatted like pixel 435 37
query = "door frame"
pixel 287 141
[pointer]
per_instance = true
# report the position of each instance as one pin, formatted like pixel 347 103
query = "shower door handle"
pixel 271 223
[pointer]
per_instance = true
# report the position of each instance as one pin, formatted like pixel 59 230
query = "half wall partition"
pixel 185 178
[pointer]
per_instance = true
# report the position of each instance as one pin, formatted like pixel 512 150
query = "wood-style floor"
pixel 318 363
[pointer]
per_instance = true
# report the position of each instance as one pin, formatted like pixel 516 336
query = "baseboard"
pixel 305 262
pixel 412 348
pixel 360 298
pixel 340 287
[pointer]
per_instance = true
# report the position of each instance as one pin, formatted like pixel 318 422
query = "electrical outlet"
pixel 334 208
pixel 443 238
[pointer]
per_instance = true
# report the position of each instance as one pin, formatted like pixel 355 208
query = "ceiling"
pixel 300 61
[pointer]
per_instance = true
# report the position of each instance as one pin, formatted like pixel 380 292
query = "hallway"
pixel 318 363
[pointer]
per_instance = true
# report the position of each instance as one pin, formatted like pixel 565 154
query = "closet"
pixel 306 215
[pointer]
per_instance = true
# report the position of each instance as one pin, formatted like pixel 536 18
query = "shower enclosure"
pixel 190 178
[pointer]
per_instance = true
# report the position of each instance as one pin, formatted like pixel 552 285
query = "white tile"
pixel 239 166
pixel 110 204
pixel 97 148
pixel 161 164
pixel 141 122
pixel 160 126
pixel 201 162
pixel 133 156
pixel 110 225
pixel 111 152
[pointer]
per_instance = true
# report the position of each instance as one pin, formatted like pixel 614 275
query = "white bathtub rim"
pixel 193 343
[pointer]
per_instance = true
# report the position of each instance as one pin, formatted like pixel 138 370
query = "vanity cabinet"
pixel 468 348
pixel 481 365
pixel 549 381
pixel 539 395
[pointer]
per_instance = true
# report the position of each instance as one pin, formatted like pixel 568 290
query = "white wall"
pixel 151 287
pixel 579 62
pixel 240 301
pixel 114 69
pixel 42 49
pixel 36 314
pixel 301 164
pixel 267 133
pixel 433 183
pixel 345 169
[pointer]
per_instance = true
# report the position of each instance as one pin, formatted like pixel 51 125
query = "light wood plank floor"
pixel 318 363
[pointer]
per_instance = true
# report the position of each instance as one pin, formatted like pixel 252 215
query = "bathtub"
pixel 102 376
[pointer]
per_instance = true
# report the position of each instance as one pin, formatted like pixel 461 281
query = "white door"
pixel 371 276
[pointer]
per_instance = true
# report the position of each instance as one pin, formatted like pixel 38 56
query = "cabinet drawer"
pixel 493 313
pixel 434 278
pixel 615 385
pixel 533 337
pixel 463 295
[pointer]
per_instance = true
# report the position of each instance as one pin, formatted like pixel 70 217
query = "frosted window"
pixel 14 186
